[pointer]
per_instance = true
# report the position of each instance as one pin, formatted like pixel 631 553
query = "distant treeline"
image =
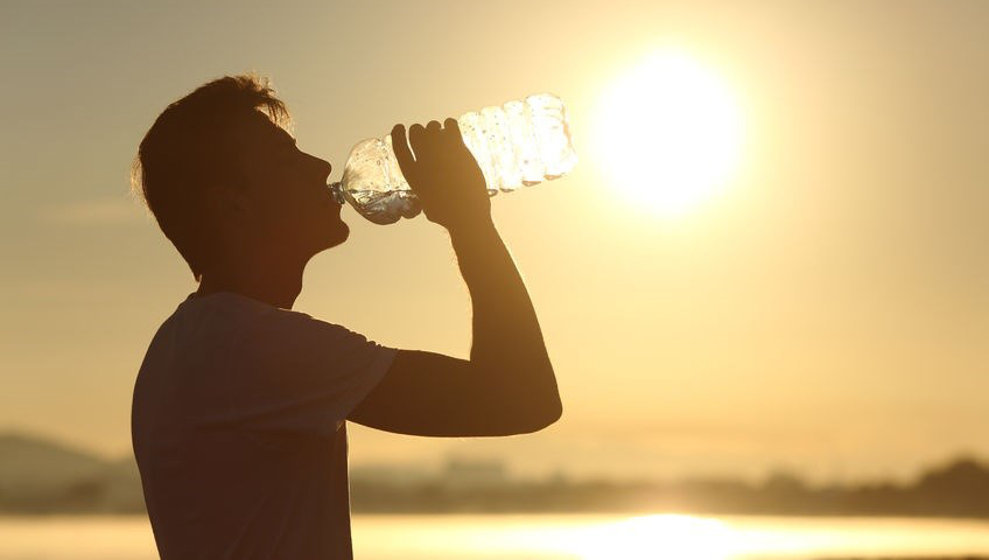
pixel 959 489
pixel 38 477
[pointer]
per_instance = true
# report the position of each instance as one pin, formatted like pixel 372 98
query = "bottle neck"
pixel 336 189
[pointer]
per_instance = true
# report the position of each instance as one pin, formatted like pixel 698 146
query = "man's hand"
pixel 444 174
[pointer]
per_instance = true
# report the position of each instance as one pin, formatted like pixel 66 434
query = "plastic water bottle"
pixel 520 143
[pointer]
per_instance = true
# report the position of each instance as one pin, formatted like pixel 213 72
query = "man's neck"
pixel 276 284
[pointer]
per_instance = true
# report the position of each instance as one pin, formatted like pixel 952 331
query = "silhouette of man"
pixel 240 406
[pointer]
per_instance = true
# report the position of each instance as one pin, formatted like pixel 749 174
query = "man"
pixel 240 407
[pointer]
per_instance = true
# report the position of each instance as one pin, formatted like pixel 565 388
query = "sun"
pixel 669 133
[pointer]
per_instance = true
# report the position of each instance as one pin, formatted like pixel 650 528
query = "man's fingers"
pixel 433 126
pixel 400 145
pixel 417 137
pixel 453 136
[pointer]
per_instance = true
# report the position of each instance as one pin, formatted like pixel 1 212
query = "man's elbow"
pixel 527 406
pixel 542 417
pixel 553 413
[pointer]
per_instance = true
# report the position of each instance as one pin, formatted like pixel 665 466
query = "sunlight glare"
pixel 683 537
pixel 669 132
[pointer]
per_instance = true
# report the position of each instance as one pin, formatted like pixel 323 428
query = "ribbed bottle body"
pixel 517 144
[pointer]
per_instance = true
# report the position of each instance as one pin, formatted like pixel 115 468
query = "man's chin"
pixel 339 235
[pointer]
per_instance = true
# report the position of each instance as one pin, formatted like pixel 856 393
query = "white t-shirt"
pixel 238 427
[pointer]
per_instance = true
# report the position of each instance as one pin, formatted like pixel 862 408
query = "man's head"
pixel 225 180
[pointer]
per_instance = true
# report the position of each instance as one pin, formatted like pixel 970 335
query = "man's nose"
pixel 324 167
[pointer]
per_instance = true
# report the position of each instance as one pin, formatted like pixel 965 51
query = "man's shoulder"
pixel 224 321
pixel 229 314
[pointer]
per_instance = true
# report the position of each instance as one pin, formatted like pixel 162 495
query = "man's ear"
pixel 226 204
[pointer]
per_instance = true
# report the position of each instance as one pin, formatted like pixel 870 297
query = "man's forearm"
pixel 507 341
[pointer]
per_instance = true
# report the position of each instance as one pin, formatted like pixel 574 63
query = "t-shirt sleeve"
pixel 299 374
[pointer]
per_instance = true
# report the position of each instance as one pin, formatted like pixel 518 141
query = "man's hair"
pixel 190 148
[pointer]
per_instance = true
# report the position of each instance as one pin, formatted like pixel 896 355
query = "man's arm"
pixel 508 385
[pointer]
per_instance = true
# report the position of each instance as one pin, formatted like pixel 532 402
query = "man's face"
pixel 288 204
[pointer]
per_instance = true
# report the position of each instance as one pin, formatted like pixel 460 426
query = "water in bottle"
pixel 519 143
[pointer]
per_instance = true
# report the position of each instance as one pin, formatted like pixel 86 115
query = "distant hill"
pixel 38 475
pixel 41 463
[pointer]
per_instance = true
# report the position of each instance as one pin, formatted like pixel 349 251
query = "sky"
pixel 825 311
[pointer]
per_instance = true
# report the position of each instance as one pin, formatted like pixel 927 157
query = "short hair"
pixel 190 148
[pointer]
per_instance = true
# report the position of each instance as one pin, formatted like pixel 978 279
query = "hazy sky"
pixel 828 311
